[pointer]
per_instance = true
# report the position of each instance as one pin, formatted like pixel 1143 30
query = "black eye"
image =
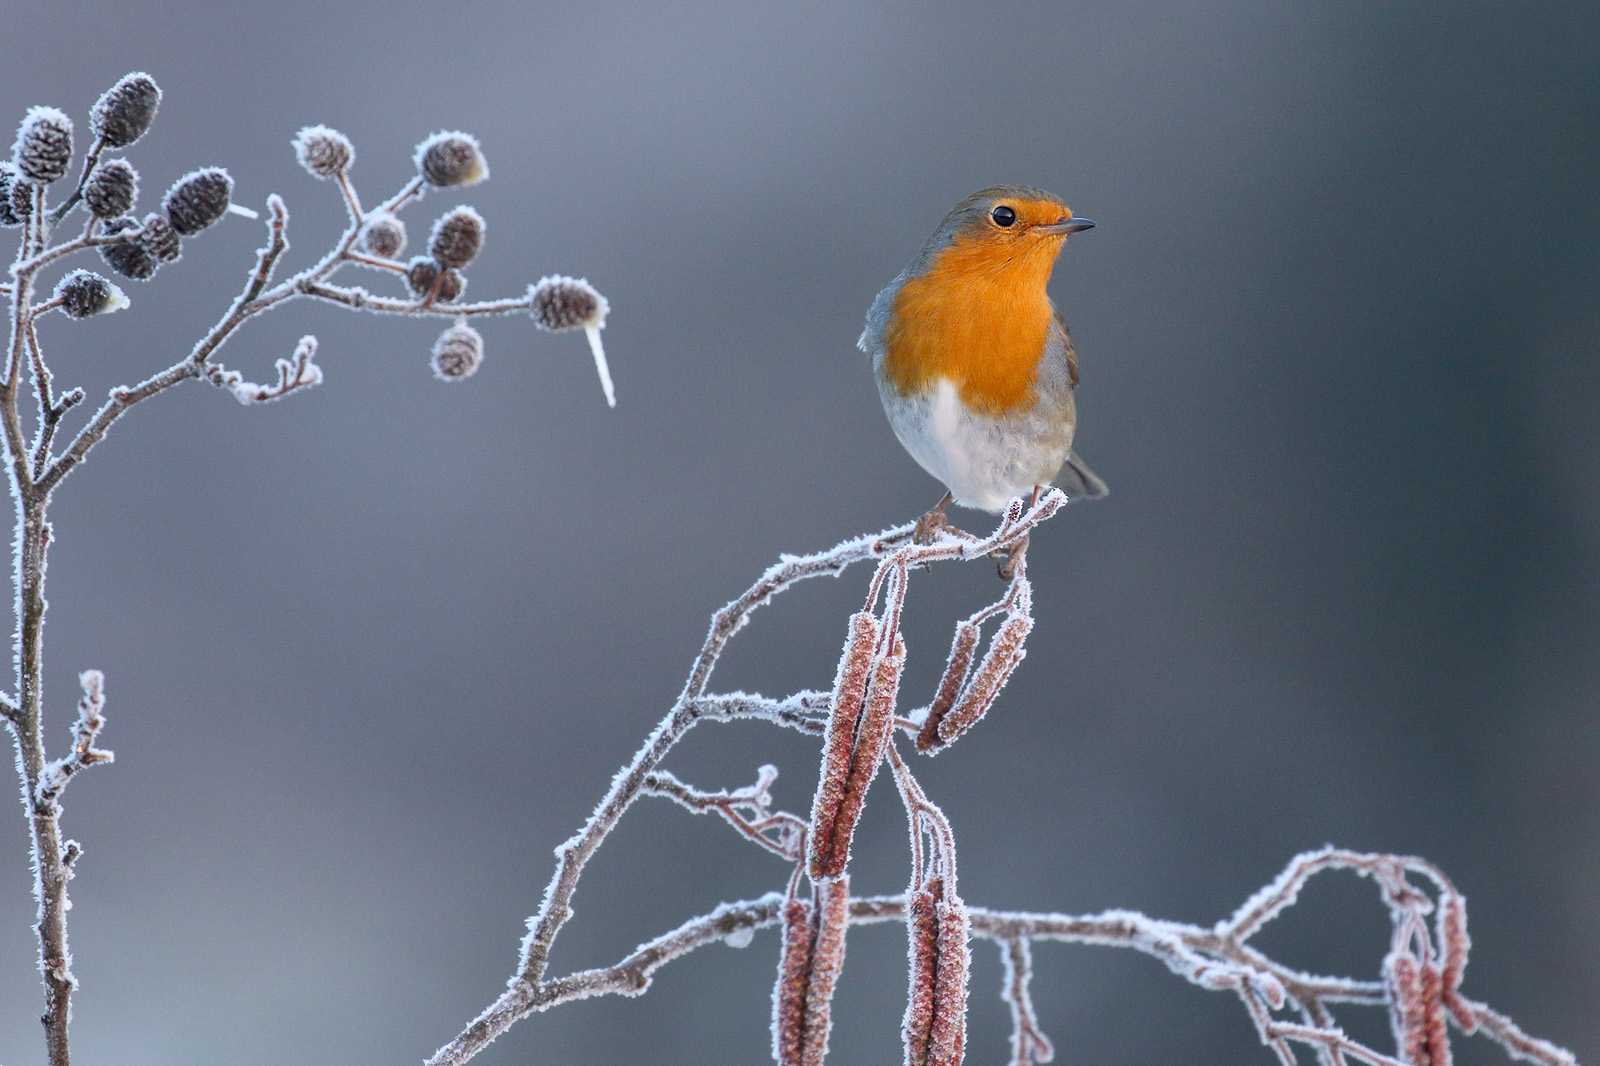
pixel 1003 215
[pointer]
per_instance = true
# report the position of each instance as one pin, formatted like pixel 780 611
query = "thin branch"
pixel 359 299
pixel 756 799
pixel 631 975
pixel 91 719
pixel 89 160
pixel 1029 1045
pixel 59 251
pixel 376 263
pixel 267 258
pixel 806 711
pixel 120 400
pixel 352 202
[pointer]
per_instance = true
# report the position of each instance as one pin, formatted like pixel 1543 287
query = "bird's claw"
pixel 1011 558
pixel 933 523
pixel 929 526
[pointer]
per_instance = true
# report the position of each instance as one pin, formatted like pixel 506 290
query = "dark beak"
pixel 1068 225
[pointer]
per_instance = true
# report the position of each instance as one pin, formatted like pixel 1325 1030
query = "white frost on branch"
pixel 296 372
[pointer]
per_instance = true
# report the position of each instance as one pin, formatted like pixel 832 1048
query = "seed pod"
pixel 161 239
pixel 9 178
pixel 83 293
pixel 20 201
pixel 125 110
pixel 451 158
pixel 558 303
pixel 325 153
pixel 198 199
pixel 384 236
pixel 129 258
pixel 457 353
pixel 457 237
pixel 421 273
pixel 44 145
pixel 111 188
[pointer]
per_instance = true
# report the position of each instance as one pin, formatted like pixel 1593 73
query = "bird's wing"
pixel 1066 340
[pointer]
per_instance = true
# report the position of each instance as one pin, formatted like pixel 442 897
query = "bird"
pixel 974 364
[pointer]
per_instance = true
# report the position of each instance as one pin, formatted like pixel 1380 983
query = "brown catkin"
pixel 789 993
pixel 838 746
pixel 872 739
pixel 955 672
pixel 947 1029
pixel 922 935
pixel 827 960
pixel 1004 653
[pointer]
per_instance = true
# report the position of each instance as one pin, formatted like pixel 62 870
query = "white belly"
pixel 984 461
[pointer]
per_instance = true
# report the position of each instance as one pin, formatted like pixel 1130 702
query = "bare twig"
pixel 748 810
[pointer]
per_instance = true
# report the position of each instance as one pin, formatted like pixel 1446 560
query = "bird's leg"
pixel 929 525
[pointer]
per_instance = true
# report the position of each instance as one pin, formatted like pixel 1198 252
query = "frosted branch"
pixel 359 299
pixel 1195 952
pixel 1029 1045
pixel 296 372
pixel 91 719
pixel 748 810
pixel 891 548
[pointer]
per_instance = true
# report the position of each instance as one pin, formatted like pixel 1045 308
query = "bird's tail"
pixel 1078 481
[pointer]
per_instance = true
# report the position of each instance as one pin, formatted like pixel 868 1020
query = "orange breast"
pixel 978 316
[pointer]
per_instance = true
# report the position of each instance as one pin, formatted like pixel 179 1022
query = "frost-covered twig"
pixel 748 809
pixel 1029 1045
pixel 136 248
pixel 894 550
pixel 1195 952
pixel 296 372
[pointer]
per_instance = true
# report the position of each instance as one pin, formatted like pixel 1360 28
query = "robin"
pixel 973 361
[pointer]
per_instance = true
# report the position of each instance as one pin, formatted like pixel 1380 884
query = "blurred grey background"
pixel 371 653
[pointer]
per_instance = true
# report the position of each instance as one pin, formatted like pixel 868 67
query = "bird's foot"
pixel 933 523
pixel 1011 558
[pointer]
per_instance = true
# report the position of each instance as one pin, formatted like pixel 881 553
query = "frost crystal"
pixel 384 236
pixel 457 237
pixel 198 199
pixel 83 293
pixel 44 145
pixel 111 189
pixel 451 158
pixel 322 151
pixel 126 110
pixel 458 352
